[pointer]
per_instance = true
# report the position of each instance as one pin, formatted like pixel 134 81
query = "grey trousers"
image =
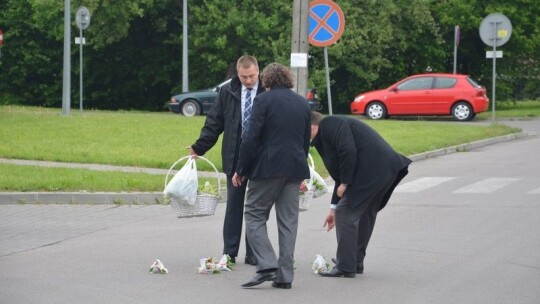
pixel 262 195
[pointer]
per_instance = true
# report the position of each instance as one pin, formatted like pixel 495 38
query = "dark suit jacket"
pixel 356 155
pixel 276 143
pixel 225 117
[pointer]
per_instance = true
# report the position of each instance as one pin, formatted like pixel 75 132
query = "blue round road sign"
pixel 326 23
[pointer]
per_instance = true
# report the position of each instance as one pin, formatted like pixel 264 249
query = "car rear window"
pixel 445 82
pixel 473 83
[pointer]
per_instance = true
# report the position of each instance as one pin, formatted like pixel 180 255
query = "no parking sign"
pixel 326 23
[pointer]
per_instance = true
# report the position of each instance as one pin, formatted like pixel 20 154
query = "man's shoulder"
pixel 231 90
pixel 234 84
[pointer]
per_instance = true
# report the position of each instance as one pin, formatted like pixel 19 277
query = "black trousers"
pixel 234 218
pixel 355 223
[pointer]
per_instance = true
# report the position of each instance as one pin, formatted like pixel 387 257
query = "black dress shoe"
pixel 282 285
pixel 251 260
pixel 260 278
pixel 335 273
pixel 359 269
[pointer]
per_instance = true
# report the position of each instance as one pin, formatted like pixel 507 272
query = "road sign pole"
pixel 185 63
pixel 326 24
pixel 80 70
pixel 82 19
pixel 494 75
pixel 328 81
pixel 456 41
pixel 495 30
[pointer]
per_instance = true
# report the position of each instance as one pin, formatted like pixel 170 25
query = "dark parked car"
pixel 425 94
pixel 199 102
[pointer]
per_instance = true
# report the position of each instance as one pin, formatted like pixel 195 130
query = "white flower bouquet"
pixel 212 266
pixel 320 264
pixel 158 267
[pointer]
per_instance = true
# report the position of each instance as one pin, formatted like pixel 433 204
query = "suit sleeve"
pixel 339 134
pixel 213 126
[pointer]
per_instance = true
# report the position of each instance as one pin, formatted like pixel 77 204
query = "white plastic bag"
pixel 184 185
pixel 319 185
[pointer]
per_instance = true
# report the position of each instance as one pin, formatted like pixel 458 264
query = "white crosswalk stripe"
pixel 422 184
pixel 488 185
pixel 535 191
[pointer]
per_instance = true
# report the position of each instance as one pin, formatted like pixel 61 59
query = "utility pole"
pixel 300 44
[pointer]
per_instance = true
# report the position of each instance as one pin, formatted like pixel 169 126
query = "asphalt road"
pixel 461 228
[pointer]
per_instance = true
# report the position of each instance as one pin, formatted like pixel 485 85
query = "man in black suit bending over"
pixel 366 170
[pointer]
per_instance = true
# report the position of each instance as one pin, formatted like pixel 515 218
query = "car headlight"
pixel 359 98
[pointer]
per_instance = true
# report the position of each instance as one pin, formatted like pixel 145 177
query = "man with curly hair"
pixel 273 156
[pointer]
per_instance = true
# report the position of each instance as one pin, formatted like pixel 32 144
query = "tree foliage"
pixel 133 55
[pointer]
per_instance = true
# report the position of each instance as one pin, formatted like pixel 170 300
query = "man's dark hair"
pixel 275 74
pixel 316 118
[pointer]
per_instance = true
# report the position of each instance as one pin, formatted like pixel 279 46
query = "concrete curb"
pixel 142 198
pixel 468 146
pixel 131 198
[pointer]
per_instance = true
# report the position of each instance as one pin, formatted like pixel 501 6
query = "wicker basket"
pixel 305 199
pixel 205 204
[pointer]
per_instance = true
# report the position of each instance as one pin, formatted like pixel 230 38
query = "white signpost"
pixel 83 20
pixel 495 30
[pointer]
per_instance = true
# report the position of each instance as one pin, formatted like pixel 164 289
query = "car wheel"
pixel 462 111
pixel 376 110
pixel 190 108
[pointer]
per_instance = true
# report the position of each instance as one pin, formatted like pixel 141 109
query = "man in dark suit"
pixel 366 170
pixel 227 116
pixel 273 156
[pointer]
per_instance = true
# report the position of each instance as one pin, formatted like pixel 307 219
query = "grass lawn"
pixel 156 140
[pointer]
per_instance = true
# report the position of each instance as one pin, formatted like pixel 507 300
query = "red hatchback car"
pixel 425 94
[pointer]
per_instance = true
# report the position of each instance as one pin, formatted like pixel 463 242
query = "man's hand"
pixel 330 220
pixel 341 190
pixel 191 151
pixel 237 180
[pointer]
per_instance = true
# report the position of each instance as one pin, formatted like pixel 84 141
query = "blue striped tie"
pixel 247 110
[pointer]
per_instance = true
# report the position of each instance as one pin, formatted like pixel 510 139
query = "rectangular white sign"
pixel 78 40
pixel 298 60
pixel 489 54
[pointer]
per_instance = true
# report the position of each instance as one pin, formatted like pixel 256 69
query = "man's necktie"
pixel 247 110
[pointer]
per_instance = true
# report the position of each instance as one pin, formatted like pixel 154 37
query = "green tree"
pixel 518 69
pixel 132 59
pixel 220 31
pixel 382 42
